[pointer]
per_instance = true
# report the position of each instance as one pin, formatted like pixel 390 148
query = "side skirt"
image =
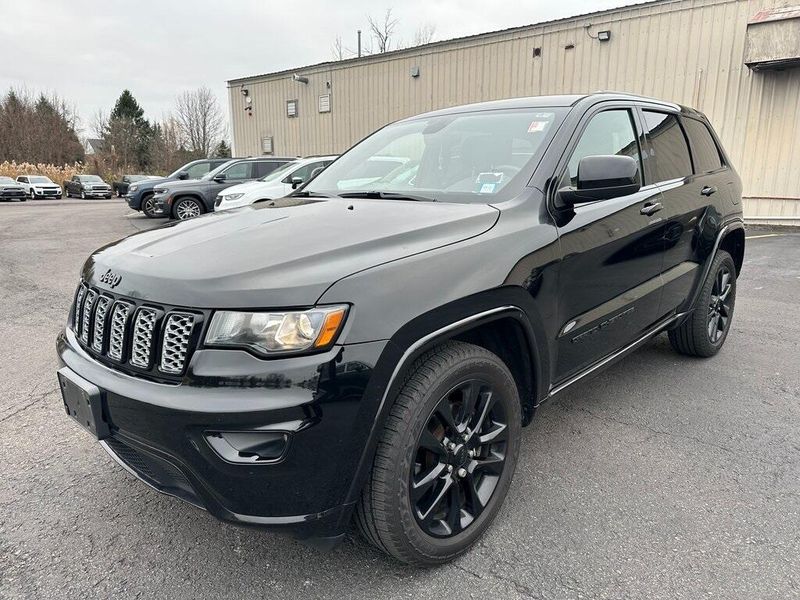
pixel 616 355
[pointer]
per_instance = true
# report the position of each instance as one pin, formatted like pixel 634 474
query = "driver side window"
pixel 610 132
pixel 198 170
pixel 238 171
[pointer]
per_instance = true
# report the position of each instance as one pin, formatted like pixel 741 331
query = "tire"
pixel 33 195
pixel 697 336
pixel 187 208
pixel 390 513
pixel 148 207
pixel 108 197
pixel 119 194
pixel 83 195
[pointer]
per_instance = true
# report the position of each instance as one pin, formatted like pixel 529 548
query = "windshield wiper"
pixel 387 196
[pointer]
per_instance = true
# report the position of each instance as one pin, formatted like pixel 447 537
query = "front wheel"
pixel 83 195
pixel 705 330
pixel 187 208
pixel 446 456
pixel 149 207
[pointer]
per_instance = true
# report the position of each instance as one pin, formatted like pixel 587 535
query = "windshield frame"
pixel 515 185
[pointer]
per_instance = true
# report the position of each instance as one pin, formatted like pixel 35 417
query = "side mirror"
pixel 602 178
pixel 296 182
pixel 220 178
pixel 183 175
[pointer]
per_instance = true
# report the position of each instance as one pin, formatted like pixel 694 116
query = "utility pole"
pixel 359 43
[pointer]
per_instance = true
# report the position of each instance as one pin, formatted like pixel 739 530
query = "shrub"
pixel 58 173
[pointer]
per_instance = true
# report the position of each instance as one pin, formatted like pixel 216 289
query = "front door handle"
pixel 708 190
pixel 651 208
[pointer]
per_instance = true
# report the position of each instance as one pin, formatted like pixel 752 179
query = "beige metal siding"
pixel 686 51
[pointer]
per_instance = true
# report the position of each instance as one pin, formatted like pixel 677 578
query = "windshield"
pixel 40 180
pixel 93 178
pixel 280 172
pixel 482 156
pixel 213 173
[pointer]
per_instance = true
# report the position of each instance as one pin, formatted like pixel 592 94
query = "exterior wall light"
pixel 604 36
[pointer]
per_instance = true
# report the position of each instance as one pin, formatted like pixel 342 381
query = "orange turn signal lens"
pixel 333 321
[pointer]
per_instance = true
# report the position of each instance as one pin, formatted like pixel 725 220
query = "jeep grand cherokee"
pixel 373 353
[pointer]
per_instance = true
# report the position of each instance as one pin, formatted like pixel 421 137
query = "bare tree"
pixel 338 48
pixel 383 32
pixel 200 120
pixel 424 34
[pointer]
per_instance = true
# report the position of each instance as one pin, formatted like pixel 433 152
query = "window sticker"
pixel 488 183
pixel 536 126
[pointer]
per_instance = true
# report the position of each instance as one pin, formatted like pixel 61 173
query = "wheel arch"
pixel 184 196
pixel 491 320
pixel 733 243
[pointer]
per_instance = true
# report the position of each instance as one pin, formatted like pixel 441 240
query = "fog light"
pixel 248 446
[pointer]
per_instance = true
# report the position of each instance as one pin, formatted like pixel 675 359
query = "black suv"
pixel 370 348
pixel 188 199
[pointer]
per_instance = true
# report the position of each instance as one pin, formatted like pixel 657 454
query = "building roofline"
pixel 432 46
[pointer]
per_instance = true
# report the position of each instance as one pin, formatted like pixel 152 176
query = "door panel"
pixel 610 273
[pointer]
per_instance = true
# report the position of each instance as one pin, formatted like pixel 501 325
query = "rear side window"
pixel 266 167
pixel 198 170
pixel 704 149
pixel 610 132
pixel 669 157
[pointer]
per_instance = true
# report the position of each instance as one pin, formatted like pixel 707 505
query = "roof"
pixel 434 45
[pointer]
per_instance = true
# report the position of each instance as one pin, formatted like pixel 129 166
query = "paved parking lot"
pixel 664 477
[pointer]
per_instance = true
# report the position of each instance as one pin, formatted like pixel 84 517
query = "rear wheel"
pixel 149 207
pixel 187 208
pixel 705 330
pixel 445 458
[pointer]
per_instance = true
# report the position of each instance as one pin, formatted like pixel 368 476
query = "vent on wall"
pixel 773 39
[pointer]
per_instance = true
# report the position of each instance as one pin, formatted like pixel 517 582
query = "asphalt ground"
pixel 663 477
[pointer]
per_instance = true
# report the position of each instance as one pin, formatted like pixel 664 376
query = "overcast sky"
pixel 88 51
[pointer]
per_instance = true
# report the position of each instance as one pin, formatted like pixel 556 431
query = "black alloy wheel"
pixel 719 307
pixel 459 459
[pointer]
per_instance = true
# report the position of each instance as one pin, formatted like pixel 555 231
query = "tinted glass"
pixel 266 167
pixel 670 152
pixel 463 157
pixel 704 150
pixel 198 170
pixel 240 170
pixel 610 132
pixel 304 172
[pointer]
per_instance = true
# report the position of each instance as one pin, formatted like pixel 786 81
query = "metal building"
pixel 736 60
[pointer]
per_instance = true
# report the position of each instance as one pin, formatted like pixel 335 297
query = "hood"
pixel 270 257
pixel 247 186
pixel 178 184
pixel 43 185
pixel 13 186
pixel 150 183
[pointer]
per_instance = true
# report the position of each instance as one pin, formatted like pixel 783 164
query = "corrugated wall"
pixel 686 51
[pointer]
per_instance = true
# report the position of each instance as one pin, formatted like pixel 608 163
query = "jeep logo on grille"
pixel 111 279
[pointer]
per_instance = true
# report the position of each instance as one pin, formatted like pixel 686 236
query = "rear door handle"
pixel 651 208
pixel 708 190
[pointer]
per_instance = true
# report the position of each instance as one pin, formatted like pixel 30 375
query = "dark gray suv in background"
pixel 187 199
pixel 140 194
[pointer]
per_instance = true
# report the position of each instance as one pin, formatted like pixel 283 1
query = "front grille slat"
pixel 119 323
pixel 86 315
pixel 175 348
pixel 142 337
pixel 149 341
pixel 100 313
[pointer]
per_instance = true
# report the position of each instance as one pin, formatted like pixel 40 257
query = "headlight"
pixel 133 188
pixel 159 191
pixel 231 197
pixel 277 332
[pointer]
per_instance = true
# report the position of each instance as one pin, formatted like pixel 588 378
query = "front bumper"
pixel 96 193
pixel 160 432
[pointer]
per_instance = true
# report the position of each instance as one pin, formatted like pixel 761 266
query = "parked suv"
pixel 87 186
pixel 11 190
pixel 277 184
pixel 188 199
pixel 140 193
pixel 39 186
pixel 373 353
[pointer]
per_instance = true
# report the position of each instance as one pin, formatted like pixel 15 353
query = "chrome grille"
pixel 86 315
pixel 143 326
pixel 140 339
pixel 175 347
pixel 119 321
pixel 103 302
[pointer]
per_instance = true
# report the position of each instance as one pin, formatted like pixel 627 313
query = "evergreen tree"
pixel 222 150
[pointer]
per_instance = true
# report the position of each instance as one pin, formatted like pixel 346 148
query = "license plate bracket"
pixel 83 402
